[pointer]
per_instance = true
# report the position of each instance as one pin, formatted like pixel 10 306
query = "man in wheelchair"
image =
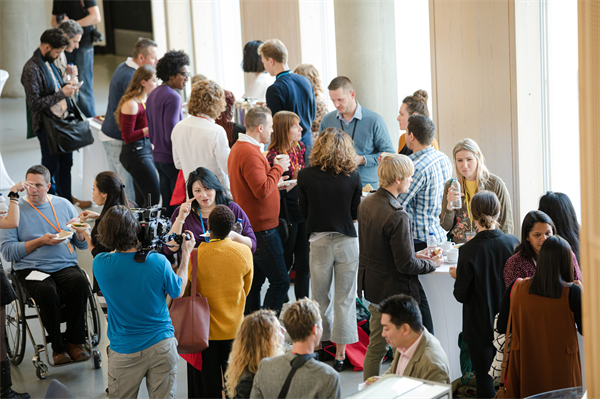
pixel 45 262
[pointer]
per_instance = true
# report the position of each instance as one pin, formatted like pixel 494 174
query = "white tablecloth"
pixel 446 312
pixel 87 163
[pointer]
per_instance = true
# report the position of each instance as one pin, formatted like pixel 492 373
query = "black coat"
pixel 479 283
pixel 387 263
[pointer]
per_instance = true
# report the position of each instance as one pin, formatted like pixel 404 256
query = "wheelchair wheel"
pixel 41 371
pixel 15 325
pixel 93 323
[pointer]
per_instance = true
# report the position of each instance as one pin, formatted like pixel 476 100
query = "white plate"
pixel 287 183
pixel 448 261
pixel 70 226
pixel 64 238
pixel 207 234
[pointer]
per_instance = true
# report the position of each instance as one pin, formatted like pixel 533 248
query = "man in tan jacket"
pixel 417 353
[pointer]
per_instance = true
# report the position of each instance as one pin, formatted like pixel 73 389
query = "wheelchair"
pixel 17 326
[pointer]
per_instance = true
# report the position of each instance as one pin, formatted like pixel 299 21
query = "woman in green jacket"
pixel 473 177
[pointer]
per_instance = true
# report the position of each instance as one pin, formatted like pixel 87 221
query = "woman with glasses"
pixel 164 111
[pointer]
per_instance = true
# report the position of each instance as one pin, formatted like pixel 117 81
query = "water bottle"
pixel 238 227
pixel 456 186
pixel 3 207
pixel 431 244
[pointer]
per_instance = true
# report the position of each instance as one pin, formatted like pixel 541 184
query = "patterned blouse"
pixel 296 159
pixel 519 267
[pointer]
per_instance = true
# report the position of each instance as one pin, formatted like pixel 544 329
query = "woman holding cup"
pixel 479 285
pixel 285 142
pixel 473 177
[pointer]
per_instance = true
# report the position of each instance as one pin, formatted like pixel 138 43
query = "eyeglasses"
pixel 186 74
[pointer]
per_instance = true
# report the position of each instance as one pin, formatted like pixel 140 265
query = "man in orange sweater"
pixel 254 188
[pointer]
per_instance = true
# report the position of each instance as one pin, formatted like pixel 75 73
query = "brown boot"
pixel 61 358
pixel 81 204
pixel 77 352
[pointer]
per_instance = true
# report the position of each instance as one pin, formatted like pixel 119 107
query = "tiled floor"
pixel 82 379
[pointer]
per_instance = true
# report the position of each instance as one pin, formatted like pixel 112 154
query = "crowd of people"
pixel 328 197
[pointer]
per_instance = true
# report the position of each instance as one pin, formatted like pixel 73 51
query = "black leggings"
pixel 296 253
pixel 481 358
pixel 137 159
pixel 208 382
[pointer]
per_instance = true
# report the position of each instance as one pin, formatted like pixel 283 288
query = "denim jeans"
pixel 333 270
pixel 167 173
pixel 83 58
pixel 137 158
pixel 59 167
pixel 113 152
pixel 268 263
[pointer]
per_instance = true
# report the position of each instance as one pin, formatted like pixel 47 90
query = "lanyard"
pixel 283 74
pixel 57 224
pixel 216 239
pixel 204 117
pixel 469 207
pixel 354 130
pixel 206 239
pixel 143 103
pixel 295 166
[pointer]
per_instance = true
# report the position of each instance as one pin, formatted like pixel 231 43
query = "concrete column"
pixel 366 53
pixel 21 25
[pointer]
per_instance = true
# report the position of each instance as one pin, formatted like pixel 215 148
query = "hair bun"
pixel 421 96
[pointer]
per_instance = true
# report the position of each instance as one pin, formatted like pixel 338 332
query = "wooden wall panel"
pixel 472 80
pixel 273 19
pixel 589 124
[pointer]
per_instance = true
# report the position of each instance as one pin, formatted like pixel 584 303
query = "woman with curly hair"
pixel 164 111
pixel 329 193
pixel 198 141
pixel 285 140
pixel 136 153
pixel 260 336
pixel 312 74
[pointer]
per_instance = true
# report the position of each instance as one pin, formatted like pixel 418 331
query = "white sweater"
pixel 199 141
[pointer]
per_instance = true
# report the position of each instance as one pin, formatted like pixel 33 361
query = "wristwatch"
pixel 14 195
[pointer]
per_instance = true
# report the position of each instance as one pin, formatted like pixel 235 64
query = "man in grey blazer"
pixel 417 353
pixel 312 379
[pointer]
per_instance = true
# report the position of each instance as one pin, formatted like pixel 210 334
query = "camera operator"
pixel 142 342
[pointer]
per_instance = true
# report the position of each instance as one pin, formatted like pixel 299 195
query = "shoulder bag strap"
pixel 296 363
pixel 194 256
pixel 507 336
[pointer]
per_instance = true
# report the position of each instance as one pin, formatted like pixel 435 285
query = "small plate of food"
pixel 63 235
pixel 78 225
pixel 287 183
pixel 367 190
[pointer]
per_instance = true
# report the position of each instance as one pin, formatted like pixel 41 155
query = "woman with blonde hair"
pixel 329 193
pixel 136 153
pixel 312 74
pixel 260 336
pixel 285 140
pixel 473 176
pixel 198 140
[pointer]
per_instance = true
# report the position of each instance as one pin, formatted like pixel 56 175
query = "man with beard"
pixel 367 128
pixel 45 91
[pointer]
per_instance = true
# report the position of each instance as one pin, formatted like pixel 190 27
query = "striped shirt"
pixel 423 201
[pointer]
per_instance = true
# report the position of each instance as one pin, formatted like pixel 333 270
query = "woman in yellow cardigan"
pixel 224 278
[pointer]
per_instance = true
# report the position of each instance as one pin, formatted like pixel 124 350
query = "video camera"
pixel 153 231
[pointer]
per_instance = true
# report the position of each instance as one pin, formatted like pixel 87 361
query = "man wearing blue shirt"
pixel 142 339
pixel 290 91
pixel 367 128
pixel 35 246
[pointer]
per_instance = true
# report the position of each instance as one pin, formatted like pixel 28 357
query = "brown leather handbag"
pixel 190 316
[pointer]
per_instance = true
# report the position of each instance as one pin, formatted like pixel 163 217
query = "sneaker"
pixel 77 352
pixel 61 358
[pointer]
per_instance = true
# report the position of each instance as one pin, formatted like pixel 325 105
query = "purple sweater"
pixel 194 224
pixel 163 111
pixel 519 267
